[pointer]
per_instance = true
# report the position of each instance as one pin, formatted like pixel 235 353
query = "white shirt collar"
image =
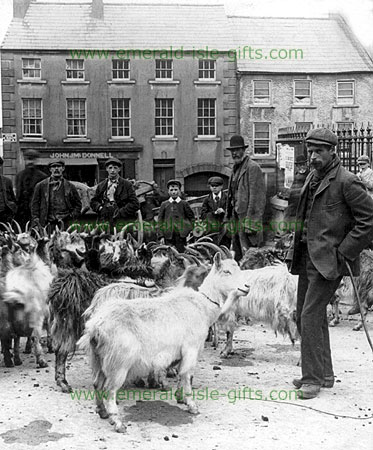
pixel 218 194
pixel 177 200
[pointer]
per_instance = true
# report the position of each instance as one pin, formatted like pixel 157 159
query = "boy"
pixel 175 217
pixel 213 210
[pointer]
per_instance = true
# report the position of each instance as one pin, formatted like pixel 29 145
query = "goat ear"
pixel 217 260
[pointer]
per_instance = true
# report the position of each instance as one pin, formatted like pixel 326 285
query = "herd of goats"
pixel 139 309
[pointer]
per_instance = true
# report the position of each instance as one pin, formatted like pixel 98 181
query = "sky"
pixel 358 13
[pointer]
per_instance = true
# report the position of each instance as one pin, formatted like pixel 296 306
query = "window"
pixel 32 119
pixel 206 117
pixel 262 132
pixel 303 126
pixel 120 117
pixel 164 117
pixel 31 68
pixel 345 126
pixel 262 93
pixel 163 69
pixel 76 117
pixel 121 69
pixel 302 92
pixel 207 69
pixel 345 92
pixel 75 69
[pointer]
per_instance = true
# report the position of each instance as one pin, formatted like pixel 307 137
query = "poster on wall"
pixel 285 160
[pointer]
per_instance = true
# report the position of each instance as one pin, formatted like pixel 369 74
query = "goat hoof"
pixel 193 410
pixel 120 428
pixel 102 413
pixel 42 363
pixel 17 361
pixel 9 362
pixel 356 328
pixel 64 386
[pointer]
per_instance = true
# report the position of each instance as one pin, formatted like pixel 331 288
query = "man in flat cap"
pixel 175 217
pixel 213 210
pixel 26 180
pixel 8 205
pixel 56 201
pixel 365 173
pixel 246 199
pixel 337 224
pixel 115 198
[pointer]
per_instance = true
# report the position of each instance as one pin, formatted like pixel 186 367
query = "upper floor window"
pixel 207 69
pixel 345 126
pixel 31 68
pixel 302 92
pixel 32 117
pixel 76 117
pixel 120 117
pixel 163 69
pixel 345 92
pixel 164 117
pixel 121 69
pixel 75 69
pixel 206 115
pixel 262 138
pixel 303 126
pixel 262 92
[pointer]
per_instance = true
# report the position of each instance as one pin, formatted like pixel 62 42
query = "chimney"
pixel 97 9
pixel 20 8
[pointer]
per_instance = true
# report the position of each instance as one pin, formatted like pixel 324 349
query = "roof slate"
pixel 328 45
pixel 56 26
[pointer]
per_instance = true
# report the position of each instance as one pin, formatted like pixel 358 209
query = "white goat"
pixel 272 299
pixel 132 338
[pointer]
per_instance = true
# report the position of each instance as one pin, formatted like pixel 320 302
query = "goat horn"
pixel 204 239
pixel 11 228
pixel 37 233
pixel 140 232
pixel 71 227
pixel 226 251
pixel 191 258
pixel 6 226
pixel 211 246
pixel 27 225
pixel 18 226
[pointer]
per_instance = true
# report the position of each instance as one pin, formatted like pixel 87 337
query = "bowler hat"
pixel 56 162
pixel 215 181
pixel 114 162
pixel 31 153
pixel 236 142
pixel 321 136
pixel 173 182
pixel 363 159
pixel 300 159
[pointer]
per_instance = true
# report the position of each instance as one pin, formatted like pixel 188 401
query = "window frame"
pixel 124 119
pixel 37 77
pixel 201 125
pixel 202 70
pixel 255 139
pixel 164 69
pixel 299 100
pixel 128 69
pixel 339 97
pixel 32 118
pixel 268 102
pixel 75 118
pixel 161 118
pixel 82 70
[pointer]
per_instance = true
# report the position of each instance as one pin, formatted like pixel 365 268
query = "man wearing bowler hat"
pixel 337 224
pixel 115 198
pixel 26 181
pixel 8 204
pixel 56 201
pixel 246 200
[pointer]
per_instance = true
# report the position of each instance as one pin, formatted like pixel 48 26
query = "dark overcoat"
pixel 175 217
pixel 341 218
pixel 40 201
pixel 9 197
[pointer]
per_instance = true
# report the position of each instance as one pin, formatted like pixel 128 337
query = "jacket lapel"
pixel 326 181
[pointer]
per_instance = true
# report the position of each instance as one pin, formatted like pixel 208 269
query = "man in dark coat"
pixel 246 200
pixel 8 205
pixel 56 201
pixel 26 181
pixel 213 211
pixel 115 198
pixel 336 214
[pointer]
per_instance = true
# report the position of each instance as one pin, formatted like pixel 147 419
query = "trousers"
pixel 314 294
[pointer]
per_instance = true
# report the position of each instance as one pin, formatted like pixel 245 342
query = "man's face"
pixel 57 171
pixel 174 191
pixel 216 188
pixel 320 155
pixel 237 155
pixel 113 171
pixel 363 166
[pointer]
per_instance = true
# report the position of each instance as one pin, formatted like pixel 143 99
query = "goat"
pixel 272 299
pixel 127 338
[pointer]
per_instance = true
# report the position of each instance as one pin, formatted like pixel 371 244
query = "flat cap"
pixel 114 162
pixel 173 183
pixel 235 142
pixel 321 136
pixel 363 159
pixel 31 153
pixel 215 181
pixel 56 162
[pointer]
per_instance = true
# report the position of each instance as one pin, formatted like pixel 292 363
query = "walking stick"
pixel 359 303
